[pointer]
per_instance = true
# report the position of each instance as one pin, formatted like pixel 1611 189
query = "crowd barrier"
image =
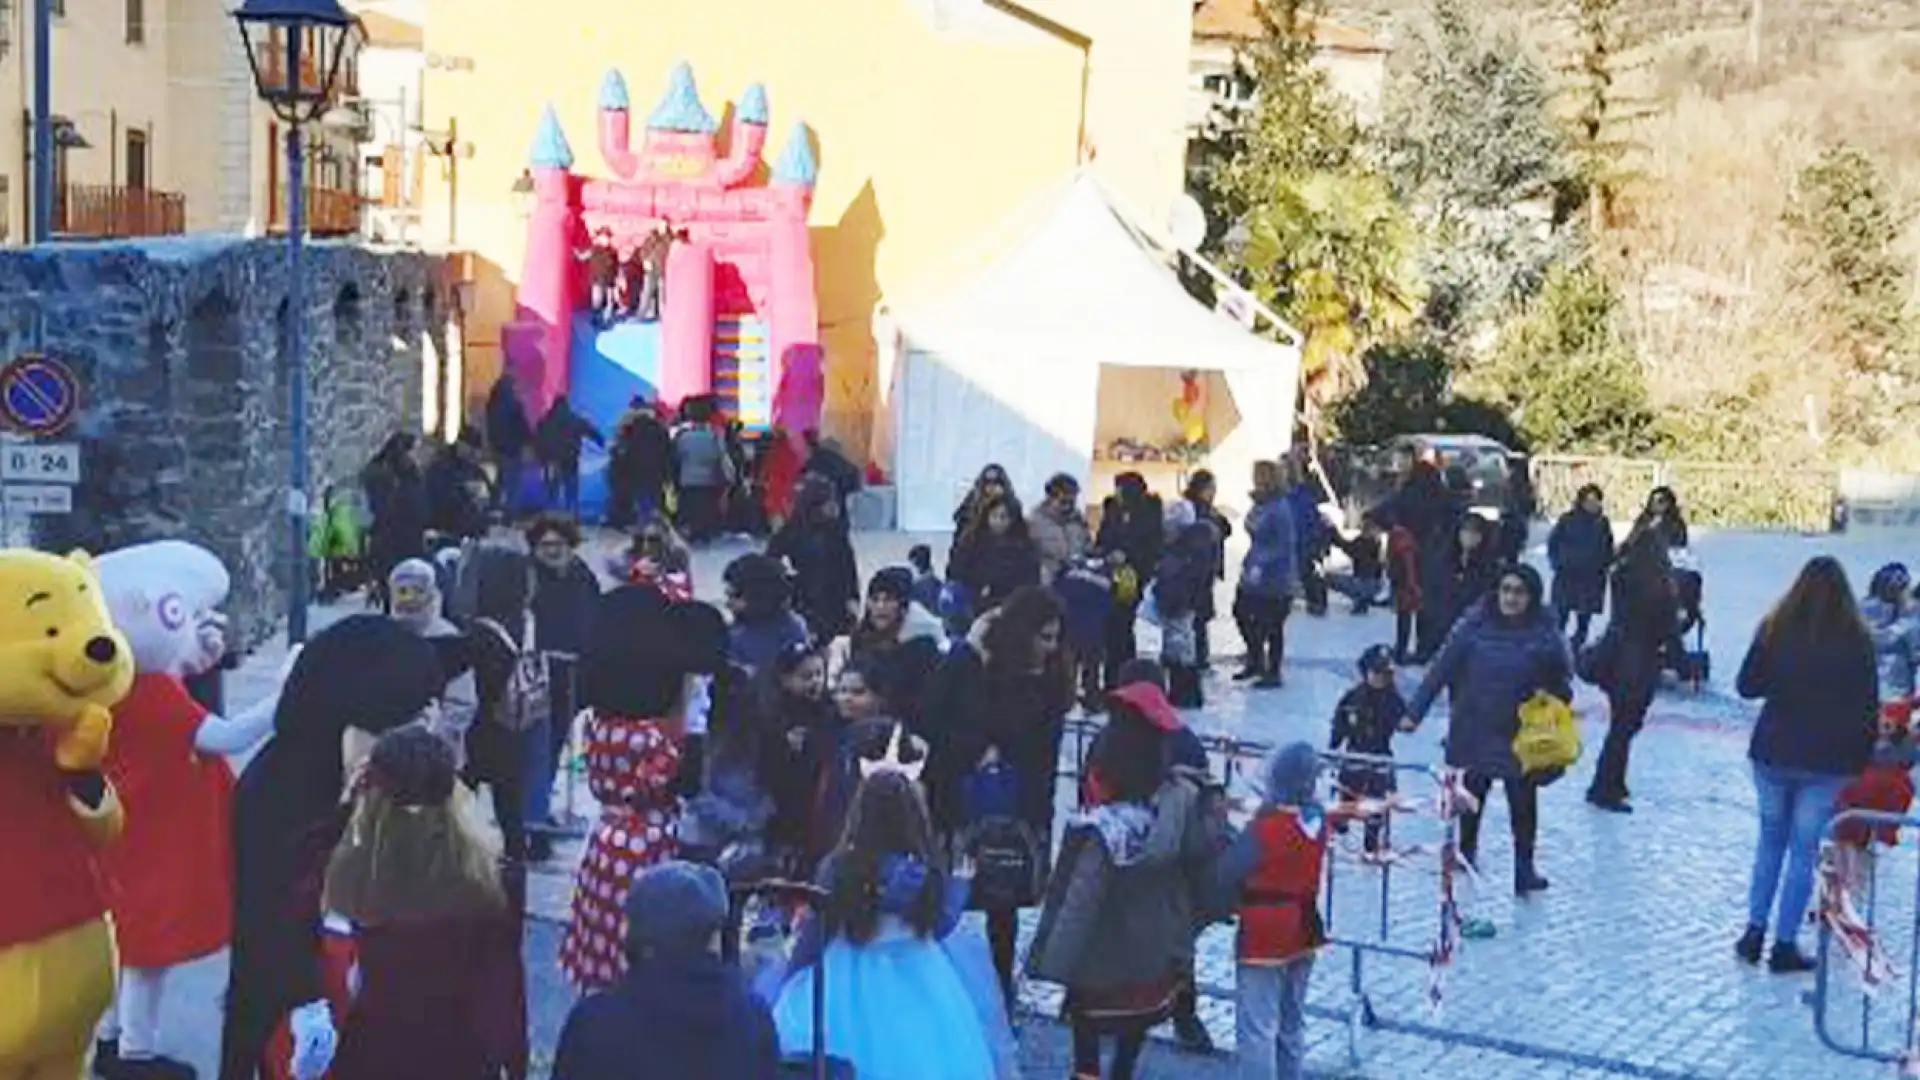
pixel 1856 911
pixel 1231 758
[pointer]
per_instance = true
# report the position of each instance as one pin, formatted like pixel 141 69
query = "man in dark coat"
pixel 557 444
pixel 508 436
pixel 680 1012
pixel 640 467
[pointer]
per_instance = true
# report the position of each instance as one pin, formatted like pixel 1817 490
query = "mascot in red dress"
pixel 170 879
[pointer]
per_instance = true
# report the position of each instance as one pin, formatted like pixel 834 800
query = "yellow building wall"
pixel 925 138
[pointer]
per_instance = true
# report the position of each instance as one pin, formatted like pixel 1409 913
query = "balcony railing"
pixel 330 211
pixel 108 211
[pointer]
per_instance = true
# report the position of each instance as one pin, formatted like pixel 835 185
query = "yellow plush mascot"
pixel 62 667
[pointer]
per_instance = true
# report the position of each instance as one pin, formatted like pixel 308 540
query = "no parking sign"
pixel 39 395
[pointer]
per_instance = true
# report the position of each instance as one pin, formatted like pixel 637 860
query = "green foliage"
pixel 1471 145
pixel 1845 213
pixel 1304 221
pixel 1603 145
pixel 1570 380
pixel 1407 386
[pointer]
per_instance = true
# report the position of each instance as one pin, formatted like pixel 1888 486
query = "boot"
pixel 153 1068
pixel 1787 959
pixel 1751 943
pixel 1526 879
pixel 1183 686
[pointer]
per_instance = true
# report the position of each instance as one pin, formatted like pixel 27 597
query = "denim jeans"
pixel 1795 806
pixel 1270 1020
pixel 536 748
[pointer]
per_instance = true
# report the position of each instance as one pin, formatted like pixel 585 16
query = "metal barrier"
pixel 1232 755
pixel 1850 931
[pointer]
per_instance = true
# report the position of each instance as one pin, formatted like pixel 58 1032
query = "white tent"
pixel 1075 336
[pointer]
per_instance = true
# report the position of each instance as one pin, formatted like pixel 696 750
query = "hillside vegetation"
pixel 1764 242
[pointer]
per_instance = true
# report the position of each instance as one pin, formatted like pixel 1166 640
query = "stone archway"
pixel 407 376
pixel 340 394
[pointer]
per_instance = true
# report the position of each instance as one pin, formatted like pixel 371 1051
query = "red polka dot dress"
pixel 631 767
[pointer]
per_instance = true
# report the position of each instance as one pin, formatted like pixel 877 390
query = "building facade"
pixel 932 120
pixel 157 128
pixel 1355 62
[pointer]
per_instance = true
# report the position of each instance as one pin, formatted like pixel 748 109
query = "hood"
pixel 1123 828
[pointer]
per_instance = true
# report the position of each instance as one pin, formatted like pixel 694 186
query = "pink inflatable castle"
pixel 737 314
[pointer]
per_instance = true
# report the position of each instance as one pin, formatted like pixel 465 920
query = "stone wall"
pixel 180 347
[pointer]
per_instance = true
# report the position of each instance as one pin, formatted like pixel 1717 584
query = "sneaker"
pixel 153 1068
pixel 1787 959
pixel 1268 682
pixel 1751 943
pixel 1246 674
pixel 1192 1035
pixel 1528 881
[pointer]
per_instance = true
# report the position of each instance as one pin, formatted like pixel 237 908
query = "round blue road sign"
pixel 38 394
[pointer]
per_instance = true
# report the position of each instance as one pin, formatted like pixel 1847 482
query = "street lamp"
pixel 295 48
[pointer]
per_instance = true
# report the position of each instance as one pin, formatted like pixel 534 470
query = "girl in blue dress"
pixel 909 996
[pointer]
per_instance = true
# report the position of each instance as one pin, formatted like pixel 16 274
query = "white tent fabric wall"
pixel 1006 368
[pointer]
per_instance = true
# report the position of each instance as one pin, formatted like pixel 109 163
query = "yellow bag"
pixel 1126 584
pixel 1548 738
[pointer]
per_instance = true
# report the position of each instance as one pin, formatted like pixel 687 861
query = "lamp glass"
pixel 298 92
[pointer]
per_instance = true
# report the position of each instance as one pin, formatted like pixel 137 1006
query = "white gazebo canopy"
pixel 1074 335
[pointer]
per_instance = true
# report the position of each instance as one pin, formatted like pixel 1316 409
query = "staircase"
pixel 742 371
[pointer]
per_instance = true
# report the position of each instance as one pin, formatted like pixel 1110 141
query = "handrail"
pixel 112 211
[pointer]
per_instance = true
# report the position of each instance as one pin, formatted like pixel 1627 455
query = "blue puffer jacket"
pixel 1271 569
pixel 1489 666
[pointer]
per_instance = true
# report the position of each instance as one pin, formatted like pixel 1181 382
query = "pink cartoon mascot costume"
pixel 170 879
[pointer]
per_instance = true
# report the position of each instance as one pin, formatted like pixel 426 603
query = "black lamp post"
pixel 295 48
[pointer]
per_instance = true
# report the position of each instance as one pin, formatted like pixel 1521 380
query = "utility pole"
pixel 1755 16
pixel 42 122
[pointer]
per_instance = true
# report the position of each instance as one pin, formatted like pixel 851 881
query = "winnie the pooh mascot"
pixel 170 877
pixel 62 667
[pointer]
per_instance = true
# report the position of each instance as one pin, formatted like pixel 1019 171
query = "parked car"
pixel 1367 474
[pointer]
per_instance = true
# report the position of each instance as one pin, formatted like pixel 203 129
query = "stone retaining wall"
pixel 180 347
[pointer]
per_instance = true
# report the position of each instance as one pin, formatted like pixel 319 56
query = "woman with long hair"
pixel 1812 667
pixel 895 635
pixel 356 680
pixel 997 708
pixel 1502 652
pixel 1644 616
pixel 815 542
pixel 1580 550
pixel 989 485
pixel 994 555
pixel 1664 516
pixel 789 715
pixel 899 1002
pixel 441 990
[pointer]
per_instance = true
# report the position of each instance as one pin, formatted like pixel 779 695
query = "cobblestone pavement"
pixel 1623 968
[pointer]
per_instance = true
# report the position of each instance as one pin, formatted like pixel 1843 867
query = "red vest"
pixel 1279 904
pixel 53 878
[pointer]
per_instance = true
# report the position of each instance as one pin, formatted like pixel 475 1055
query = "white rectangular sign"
pixel 37 498
pixel 40 463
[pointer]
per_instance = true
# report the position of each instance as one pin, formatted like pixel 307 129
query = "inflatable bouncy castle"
pixel 687 272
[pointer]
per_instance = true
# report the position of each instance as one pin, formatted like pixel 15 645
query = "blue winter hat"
pixel 1292 775
pixel 674 909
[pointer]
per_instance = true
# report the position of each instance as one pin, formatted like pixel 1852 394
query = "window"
pixel 136 160
pixel 1235 88
pixel 57 7
pixel 136 22
pixel 59 169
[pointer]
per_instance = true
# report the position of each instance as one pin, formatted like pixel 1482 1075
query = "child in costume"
pixel 358 679
pixel 438 987
pixel 62 667
pixel 1272 874
pixel 170 879
pixel 1364 722
pixel 647 654
pixel 907 996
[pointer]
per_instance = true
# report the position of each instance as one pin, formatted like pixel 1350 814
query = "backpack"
pixel 528 699
pixel 1007 864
